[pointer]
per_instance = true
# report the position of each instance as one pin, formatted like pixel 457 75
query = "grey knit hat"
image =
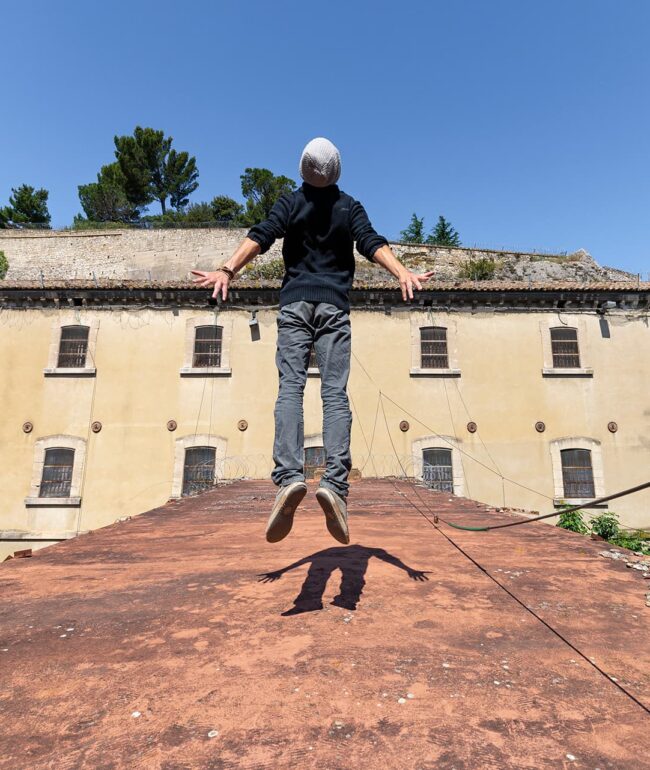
pixel 320 163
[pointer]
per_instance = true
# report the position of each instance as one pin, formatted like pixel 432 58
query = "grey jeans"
pixel 301 325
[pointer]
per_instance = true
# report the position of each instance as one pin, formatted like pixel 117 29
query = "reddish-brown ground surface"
pixel 164 616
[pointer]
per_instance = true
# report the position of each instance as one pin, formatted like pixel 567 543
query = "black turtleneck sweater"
pixel 320 226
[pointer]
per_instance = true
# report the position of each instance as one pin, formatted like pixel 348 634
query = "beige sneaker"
pixel 286 502
pixel 336 514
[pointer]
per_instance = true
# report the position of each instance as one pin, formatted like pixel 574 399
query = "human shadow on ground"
pixel 352 561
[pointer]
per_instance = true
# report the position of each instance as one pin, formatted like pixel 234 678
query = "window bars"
pixel 577 473
pixel 56 480
pixel 199 470
pixel 73 347
pixel 315 459
pixel 564 345
pixel 437 471
pixel 433 347
pixel 207 346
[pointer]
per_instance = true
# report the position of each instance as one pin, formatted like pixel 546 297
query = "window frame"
pixel 559 355
pixel 62 441
pixel 420 319
pixel 219 443
pixel 450 466
pixel 576 442
pixel 548 368
pixel 566 482
pixel 188 451
pixel 52 368
pixel 210 318
pixel 440 442
pixel 218 339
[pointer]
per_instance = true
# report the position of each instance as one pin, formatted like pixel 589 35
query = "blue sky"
pixel 527 124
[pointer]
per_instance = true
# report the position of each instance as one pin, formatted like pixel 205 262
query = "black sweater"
pixel 319 227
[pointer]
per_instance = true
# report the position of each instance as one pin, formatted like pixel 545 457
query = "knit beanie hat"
pixel 320 163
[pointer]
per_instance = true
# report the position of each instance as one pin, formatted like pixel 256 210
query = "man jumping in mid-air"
pixel 320 225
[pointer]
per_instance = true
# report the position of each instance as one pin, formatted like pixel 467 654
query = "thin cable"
pixel 442 438
pixel 453 429
pixel 363 433
pixel 535 615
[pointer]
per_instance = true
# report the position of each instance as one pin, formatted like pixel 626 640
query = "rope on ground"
pixel 522 604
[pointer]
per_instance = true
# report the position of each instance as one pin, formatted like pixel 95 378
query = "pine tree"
pixel 27 206
pixel 106 200
pixel 443 234
pixel 153 170
pixel 414 233
pixel 262 188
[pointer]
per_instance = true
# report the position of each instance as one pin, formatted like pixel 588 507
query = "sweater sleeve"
pixel 274 226
pixel 365 236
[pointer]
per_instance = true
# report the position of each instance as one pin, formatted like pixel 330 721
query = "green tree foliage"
pixel 153 170
pixel 443 234
pixel 481 269
pixel 26 206
pixel 262 188
pixel 106 200
pixel 225 209
pixel 414 233
pixel 4 265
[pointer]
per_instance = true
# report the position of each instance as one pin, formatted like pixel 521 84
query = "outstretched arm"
pixel 414 574
pixel 247 250
pixel 270 577
pixel 407 280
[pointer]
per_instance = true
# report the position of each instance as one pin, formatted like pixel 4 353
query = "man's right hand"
pixel 219 280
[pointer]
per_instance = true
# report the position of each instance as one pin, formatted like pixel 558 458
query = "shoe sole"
pixel 281 519
pixel 335 518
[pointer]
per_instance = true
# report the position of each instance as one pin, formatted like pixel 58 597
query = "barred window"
pixel 564 345
pixel 73 347
pixel 207 346
pixel 313 363
pixel 315 459
pixel 56 480
pixel 433 347
pixel 577 473
pixel 199 469
pixel 437 472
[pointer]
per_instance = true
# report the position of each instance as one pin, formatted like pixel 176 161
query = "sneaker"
pixel 286 502
pixel 336 514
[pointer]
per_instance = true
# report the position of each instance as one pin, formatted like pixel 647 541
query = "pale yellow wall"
pixel 129 464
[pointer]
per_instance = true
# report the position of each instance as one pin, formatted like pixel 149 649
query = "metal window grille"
pixel 437 471
pixel 564 344
pixel 207 346
pixel 315 459
pixel 313 363
pixel 433 347
pixel 577 473
pixel 199 470
pixel 56 480
pixel 73 347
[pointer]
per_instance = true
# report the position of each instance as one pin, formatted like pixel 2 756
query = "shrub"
pixel 606 525
pixel 573 521
pixel 271 270
pixel 481 269
pixel 4 265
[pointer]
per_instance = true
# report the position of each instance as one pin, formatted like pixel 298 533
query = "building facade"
pixel 120 395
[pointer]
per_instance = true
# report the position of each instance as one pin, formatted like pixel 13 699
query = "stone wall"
pixel 170 254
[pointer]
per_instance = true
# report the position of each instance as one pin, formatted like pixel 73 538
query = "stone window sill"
pixel 89 371
pixel 417 372
pixel 583 372
pixel 558 502
pixel 205 371
pixel 52 502
pixel 313 372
